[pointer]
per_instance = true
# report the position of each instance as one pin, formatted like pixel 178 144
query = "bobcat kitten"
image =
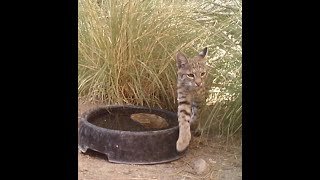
pixel 190 88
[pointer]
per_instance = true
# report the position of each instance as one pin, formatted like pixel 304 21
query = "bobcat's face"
pixel 192 72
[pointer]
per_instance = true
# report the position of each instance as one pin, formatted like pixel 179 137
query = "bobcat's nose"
pixel 198 83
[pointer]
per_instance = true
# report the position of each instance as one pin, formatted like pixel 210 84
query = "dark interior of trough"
pixel 133 119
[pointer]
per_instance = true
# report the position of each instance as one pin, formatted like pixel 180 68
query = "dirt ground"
pixel 222 162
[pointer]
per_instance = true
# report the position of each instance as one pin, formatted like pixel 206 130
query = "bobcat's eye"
pixel 202 74
pixel 191 76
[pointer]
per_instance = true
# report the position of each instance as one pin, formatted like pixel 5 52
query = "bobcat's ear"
pixel 204 52
pixel 181 60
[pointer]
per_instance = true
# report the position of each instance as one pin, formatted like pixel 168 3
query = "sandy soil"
pixel 222 162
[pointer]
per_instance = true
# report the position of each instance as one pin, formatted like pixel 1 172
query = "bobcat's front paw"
pixel 183 141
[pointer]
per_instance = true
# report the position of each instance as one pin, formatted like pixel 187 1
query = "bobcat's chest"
pixel 198 95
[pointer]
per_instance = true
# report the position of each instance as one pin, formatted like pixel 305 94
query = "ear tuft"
pixel 204 52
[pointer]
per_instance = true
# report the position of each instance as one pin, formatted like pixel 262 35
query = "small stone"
pixel 200 166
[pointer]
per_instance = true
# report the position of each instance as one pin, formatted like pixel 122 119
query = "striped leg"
pixel 184 118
